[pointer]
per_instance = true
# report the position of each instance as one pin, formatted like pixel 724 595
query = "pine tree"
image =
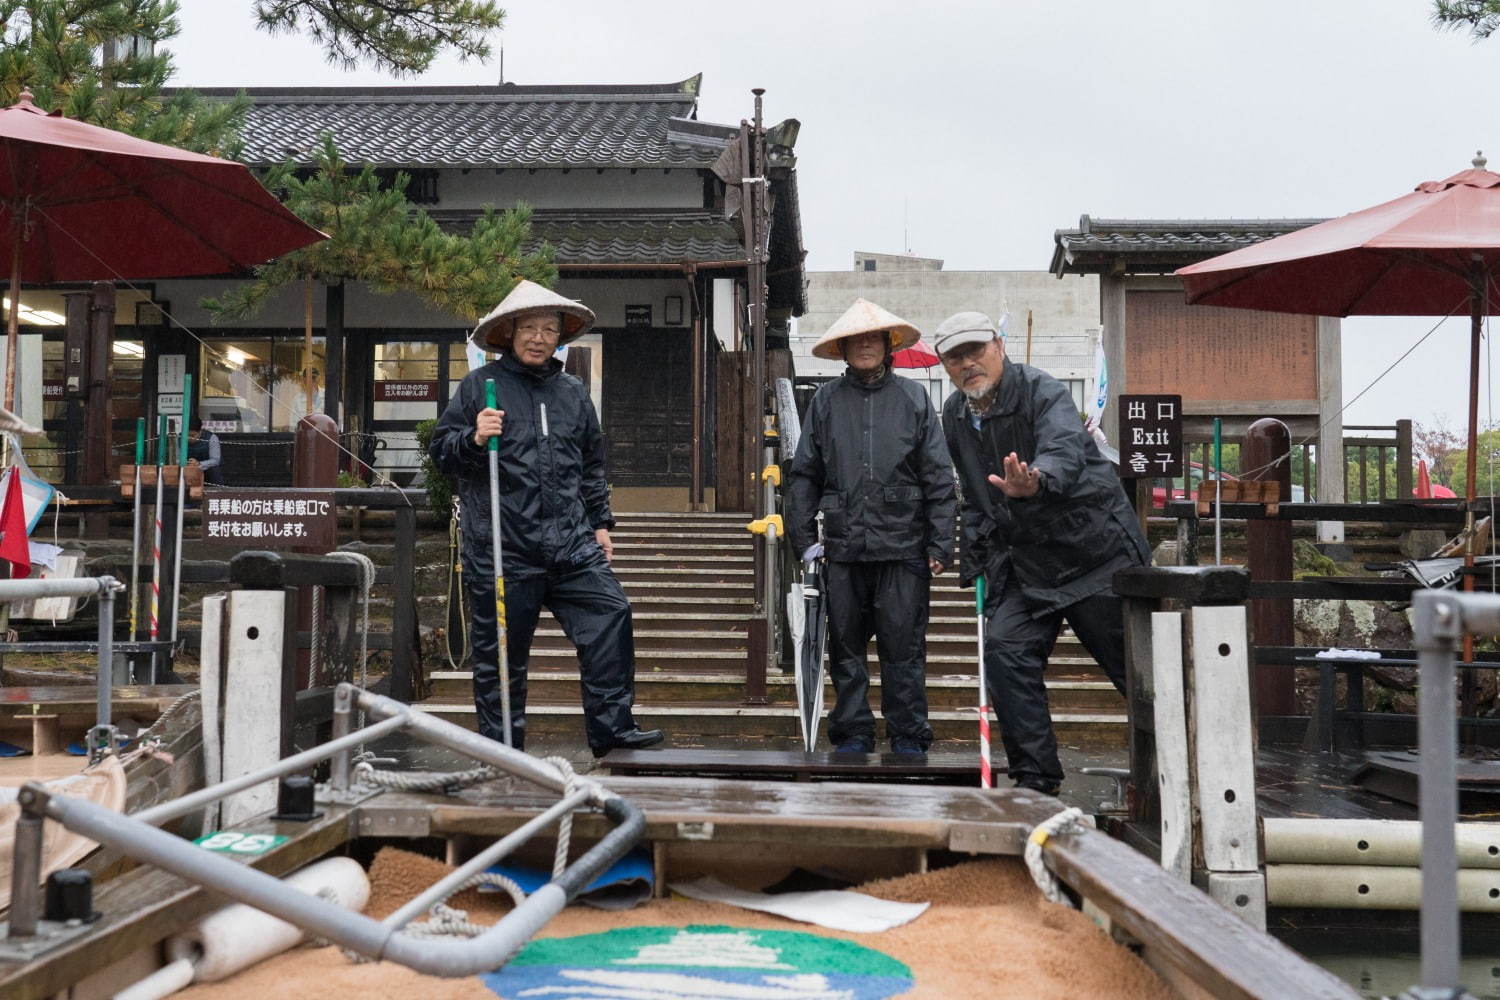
pixel 400 37
pixel 375 235
pixel 53 48
pixel 1480 17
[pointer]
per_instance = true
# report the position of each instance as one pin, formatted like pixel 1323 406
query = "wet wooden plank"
pixel 865 815
pixel 147 905
pixel 1184 934
pixel 942 768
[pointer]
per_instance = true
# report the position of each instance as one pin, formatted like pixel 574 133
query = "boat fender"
pixel 236 937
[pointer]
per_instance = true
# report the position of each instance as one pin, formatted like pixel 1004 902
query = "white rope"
pixel 1044 832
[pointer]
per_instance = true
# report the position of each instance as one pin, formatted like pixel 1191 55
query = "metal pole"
pixel 26 868
pixel 343 711
pixel 135 530
pixel 502 656
pixel 106 674
pixel 1439 624
pixel 986 776
pixel 182 458
pixel 157 815
pixel 1218 492
pixel 444 887
pixel 161 461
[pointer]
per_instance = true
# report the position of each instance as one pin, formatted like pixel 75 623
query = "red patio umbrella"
pixel 918 355
pixel 1428 253
pixel 83 203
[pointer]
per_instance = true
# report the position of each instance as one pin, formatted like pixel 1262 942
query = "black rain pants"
pixel 1016 647
pixel 888 600
pixel 592 609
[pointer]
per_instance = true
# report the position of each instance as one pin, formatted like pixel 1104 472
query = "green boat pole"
pixel 1218 492
pixel 502 658
pixel 182 460
pixel 135 530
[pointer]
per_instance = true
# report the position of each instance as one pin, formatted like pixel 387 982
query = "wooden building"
pixel 1235 364
pixel 621 183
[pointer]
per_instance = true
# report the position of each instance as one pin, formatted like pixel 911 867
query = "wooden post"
pixel 1170 711
pixel 1403 460
pixel 404 614
pixel 333 345
pixel 1270 551
pixel 1221 742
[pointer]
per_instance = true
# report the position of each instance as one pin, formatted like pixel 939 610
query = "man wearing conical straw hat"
pixel 555 518
pixel 873 462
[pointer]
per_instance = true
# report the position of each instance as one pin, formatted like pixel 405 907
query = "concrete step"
pixel 1092 729
pixel 551 686
pixel 728 660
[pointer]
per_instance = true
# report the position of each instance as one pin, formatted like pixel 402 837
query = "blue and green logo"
pixel 701 962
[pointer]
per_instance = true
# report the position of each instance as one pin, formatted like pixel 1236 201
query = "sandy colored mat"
pixel 988 933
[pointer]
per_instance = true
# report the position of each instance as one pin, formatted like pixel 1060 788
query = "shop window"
pixel 259 385
pixel 406 380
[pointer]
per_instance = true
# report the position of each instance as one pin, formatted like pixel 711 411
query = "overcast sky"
pixel 990 124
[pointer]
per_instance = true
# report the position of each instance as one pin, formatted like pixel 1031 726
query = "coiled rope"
pixel 444 920
pixel 1044 832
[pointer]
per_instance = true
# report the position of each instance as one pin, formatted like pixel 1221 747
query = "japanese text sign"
pixel 270 519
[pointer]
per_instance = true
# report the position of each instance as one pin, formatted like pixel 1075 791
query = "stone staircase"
pixel 690 579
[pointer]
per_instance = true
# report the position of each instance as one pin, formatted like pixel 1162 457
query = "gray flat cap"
pixel 963 328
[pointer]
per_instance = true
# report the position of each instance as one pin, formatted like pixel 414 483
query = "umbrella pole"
pixel 13 318
pixel 502 656
pixel 986 778
pixel 1476 333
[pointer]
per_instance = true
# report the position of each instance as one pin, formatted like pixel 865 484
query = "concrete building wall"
pixel 1065 313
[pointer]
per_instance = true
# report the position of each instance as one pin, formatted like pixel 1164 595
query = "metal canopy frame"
pixel 138 837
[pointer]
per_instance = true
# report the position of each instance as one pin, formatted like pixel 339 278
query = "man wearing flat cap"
pixel 872 461
pixel 554 515
pixel 1045 519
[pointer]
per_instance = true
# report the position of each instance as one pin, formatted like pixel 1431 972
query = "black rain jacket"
pixel 1063 544
pixel 553 494
pixel 872 459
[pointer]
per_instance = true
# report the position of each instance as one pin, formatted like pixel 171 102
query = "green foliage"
pixel 53 49
pixel 439 487
pixel 349 481
pixel 377 236
pixel 1479 17
pixel 1308 561
pixel 400 37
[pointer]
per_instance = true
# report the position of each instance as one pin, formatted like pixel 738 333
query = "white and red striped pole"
pixel 986 779
pixel 161 461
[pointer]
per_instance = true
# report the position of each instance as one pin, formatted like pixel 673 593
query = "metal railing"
pixel 138 837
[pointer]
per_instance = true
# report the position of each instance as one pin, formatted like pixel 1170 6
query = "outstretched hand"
pixel 1020 480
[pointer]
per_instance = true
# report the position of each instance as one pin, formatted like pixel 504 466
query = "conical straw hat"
pixel 865 317
pixel 494 332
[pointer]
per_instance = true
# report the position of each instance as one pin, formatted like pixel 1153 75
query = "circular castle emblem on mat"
pixel 701 962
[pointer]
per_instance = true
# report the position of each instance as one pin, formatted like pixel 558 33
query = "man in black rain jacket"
pixel 872 461
pixel 1045 519
pixel 555 518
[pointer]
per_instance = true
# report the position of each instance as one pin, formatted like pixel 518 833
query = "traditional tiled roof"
pixel 1157 246
pixel 501 126
pixel 631 237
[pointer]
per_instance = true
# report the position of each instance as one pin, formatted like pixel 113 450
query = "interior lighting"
pixel 129 349
pixel 34 317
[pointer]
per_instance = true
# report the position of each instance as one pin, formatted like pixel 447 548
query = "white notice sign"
pixel 170 369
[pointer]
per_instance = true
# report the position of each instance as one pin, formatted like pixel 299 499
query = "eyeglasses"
pixel 964 354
